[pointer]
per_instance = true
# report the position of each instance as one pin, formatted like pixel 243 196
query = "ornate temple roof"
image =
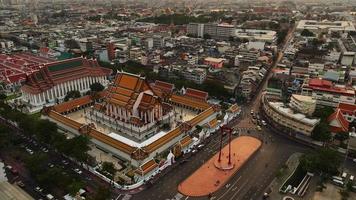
pixel 57 72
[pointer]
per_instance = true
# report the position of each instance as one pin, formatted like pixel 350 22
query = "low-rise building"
pixel 214 62
pixel 325 26
pixel 328 94
pixel 285 117
pixel 303 104
pixel 256 35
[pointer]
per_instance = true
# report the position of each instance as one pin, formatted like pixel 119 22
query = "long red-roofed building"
pixel 15 67
pixel 328 94
pixel 196 94
pixel 52 81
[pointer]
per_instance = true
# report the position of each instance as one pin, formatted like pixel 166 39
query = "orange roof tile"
pixel 339 117
pixel 183 100
pixel 72 104
pixel 147 167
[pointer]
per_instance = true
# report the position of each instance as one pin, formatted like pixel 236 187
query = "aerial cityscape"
pixel 177 99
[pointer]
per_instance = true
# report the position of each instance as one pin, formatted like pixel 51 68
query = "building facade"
pixel 284 116
pixel 303 104
pixel 328 94
pixel 54 80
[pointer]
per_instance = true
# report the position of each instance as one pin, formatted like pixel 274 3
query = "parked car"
pixel 200 146
pixel 29 151
pixel 38 189
pixel 78 171
pixel 259 128
pixel 264 123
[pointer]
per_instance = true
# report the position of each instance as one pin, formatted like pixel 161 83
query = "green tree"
pixel 307 33
pixel 36 163
pixel 2 97
pixel 96 87
pixel 281 36
pixel 324 161
pixel 323 113
pixel 109 168
pixel 206 36
pixel 72 95
pixel 81 144
pixel 322 132
pixel 4 136
pixel 46 131
pixel 74 187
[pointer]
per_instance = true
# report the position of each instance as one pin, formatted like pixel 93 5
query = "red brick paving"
pixel 208 179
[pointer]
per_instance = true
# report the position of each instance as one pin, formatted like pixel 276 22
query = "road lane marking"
pixel 233 184
pixel 234 194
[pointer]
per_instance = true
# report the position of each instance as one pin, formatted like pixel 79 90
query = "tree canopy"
pixel 96 87
pixel 322 132
pixel 307 33
pixel 72 95
pixel 323 161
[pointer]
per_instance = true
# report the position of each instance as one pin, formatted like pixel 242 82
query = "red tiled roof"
pixel 126 90
pixel 327 86
pixel 184 100
pixel 166 87
pixel 58 72
pixel 147 167
pixel 347 108
pixel 343 124
pixel 72 104
pixel 320 83
pixel 197 94
pixel 14 67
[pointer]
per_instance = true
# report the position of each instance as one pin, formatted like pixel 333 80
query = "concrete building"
pixel 328 94
pixel 214 62
pixel 325 26
pixel 303 104
pixel 256 35
pixel 285 117
pixel 195 29
pixel 197 75
pixel 213 30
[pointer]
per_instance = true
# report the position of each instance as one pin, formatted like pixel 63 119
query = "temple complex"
pixel 132 107
pixel 139 122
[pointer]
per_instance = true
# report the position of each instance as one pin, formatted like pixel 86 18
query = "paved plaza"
pixel 208 179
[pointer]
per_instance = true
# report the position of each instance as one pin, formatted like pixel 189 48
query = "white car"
pixel 354 160
pixel 264 122
pixel 29 151
pixel 78 171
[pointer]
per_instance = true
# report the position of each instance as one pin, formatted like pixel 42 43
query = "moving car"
pixel 78 171
pixel 259 128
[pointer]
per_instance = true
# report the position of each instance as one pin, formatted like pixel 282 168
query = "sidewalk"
pixel 273 189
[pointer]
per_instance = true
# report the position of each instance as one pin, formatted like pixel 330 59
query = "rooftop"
pixel 290 113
